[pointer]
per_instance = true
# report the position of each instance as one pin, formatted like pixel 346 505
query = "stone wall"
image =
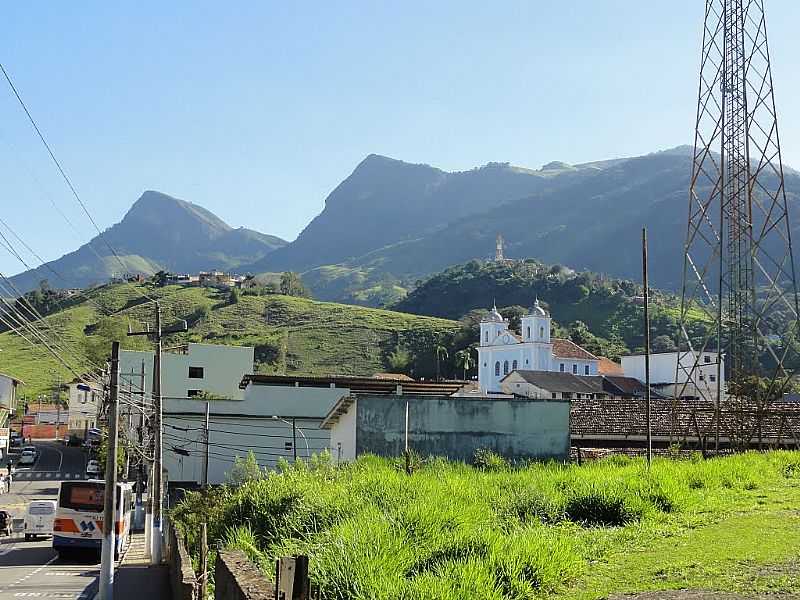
pixel 181 573
pixel 236 578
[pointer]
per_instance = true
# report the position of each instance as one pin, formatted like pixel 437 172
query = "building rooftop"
pixel 606 366
pixel 568 349
pixel 357 385
pixel 553 381
pixel 14 379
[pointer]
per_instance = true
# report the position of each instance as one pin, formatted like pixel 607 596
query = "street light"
pixel 294 436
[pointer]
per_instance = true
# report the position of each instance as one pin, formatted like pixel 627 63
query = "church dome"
pixel 537 310
pixel 493 316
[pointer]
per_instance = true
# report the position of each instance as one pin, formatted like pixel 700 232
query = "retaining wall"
pixel 236 578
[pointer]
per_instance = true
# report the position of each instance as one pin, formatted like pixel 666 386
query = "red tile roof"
pixel 568 349
pixel 606 366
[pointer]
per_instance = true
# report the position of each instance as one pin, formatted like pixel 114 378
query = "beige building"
pixel 85 399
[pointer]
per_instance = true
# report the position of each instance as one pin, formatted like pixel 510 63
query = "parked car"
pixel 31 449
pixel 92 469
pixel 74 440
pixel 39 518
pixel 16 442
pixel 5 522
pixel 27 458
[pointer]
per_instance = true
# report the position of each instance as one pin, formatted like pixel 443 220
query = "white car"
pixel 27 458
pixel 39 518
pixel 31 449
pixel 92 469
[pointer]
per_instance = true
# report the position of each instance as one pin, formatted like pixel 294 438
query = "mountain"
pixel 391 223
pixel 158 232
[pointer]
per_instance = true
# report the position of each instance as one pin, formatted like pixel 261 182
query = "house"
pixel 440 424
pixel 607 366
pixel 566 386
pixel 85 399
pixel 8 404
pixel 687 375
pixel 502 351
pixel 203 371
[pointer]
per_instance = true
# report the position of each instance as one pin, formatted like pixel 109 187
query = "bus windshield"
pixel 82 496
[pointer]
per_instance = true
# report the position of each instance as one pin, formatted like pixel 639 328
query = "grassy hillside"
pixel 451 531
pixel 291 335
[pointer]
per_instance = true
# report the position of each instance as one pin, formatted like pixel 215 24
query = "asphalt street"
pixel 32 569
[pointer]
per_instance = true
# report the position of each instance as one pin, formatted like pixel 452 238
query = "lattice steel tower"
pixel 738 266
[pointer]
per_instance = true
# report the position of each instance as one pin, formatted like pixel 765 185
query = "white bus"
pixel 79 516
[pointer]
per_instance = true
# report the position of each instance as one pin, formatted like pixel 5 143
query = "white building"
pixel 8 404
pixel 699 376
pixel 85 399
pixel 193 371
pixel 502 351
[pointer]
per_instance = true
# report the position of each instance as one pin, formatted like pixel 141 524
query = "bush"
pixel 488 460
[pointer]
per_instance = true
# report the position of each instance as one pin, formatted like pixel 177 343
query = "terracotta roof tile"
pixel 606 366
pixel 568 349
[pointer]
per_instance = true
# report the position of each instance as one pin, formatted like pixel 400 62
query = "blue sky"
pixel 258 110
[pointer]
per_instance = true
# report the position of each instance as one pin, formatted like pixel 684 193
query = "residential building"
pixel 502 351
pixel 8 404
pixel 85 399
pixel 566 386
pixel 685 374
pixel 203 371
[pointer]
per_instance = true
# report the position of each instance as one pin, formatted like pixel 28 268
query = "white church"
pixel 502 351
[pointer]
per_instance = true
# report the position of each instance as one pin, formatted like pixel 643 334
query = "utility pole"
pixel 294 439
pixel 138 512
pixel 156 489
pixel 109 520
pixel 205 441
pixel 647 348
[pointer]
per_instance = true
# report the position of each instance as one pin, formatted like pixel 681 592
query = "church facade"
pixel 502 351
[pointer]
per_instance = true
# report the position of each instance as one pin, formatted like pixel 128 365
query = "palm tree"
pixel 440 351
pixel 464 360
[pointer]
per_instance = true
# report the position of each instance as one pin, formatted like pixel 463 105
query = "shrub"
pixel 488 460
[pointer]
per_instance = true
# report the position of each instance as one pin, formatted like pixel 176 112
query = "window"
pixel 526 361
pixel 566 395
pixel 486 337
pixel 497 369
pixel 529 333
pixel 541 333
pixel 514 366
pixel 505 367
pixel 197 372
pixel 561 367
pixel 554 395
pixel 574 369
pixel 712 377
pixel 484 365
pixel 702 377
pixel 707 359
pixel 192 393
pixel 585 369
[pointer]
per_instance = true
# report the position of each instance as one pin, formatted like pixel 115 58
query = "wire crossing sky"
pixel 257 110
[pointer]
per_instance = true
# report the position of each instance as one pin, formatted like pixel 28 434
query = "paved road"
pixel 32 569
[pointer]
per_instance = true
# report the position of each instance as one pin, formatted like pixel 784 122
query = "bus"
pixel 79 516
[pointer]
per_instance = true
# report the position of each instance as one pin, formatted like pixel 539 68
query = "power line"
pixel 63 173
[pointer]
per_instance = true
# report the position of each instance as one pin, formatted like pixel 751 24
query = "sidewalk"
pixel 136 579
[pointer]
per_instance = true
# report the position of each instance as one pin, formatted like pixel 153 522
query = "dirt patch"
pixel 700 595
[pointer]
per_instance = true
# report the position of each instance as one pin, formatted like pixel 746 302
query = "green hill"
pixel 290 335
pixel 599 312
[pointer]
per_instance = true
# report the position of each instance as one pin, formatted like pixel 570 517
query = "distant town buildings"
pixel 683 374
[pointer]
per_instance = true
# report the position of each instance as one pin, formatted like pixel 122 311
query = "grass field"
pixel 303 336
pixel 452 531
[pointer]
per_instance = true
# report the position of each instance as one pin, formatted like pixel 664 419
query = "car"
pixel 92 469
pixel 39 519
pixel 74 440
pixel 27 458
pixel 31 449
pixel 16 442
pixel 5 522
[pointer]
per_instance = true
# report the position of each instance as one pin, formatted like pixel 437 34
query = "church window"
pixel 497 368
pixel 526 361
pixel 514 366
pixel 541 332
pixel 712 378
pixel 486 337
pixel 529 333
pixel 561 367
pixel 585 369
pixel 505 367
pixel 574 369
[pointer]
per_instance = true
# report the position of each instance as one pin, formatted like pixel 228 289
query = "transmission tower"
pixel 738 264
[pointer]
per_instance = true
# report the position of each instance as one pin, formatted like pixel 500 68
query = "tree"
pixel 441 352
pixel 292 285
pixel 663 343
pixel 464 360
pixel 244 470
pixel 399 361
pixel 234 295
pixel 159 278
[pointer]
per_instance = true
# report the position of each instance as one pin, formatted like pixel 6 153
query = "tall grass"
pixel 451 531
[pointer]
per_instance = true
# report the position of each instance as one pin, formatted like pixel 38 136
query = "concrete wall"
pixel 223 369
pixel 8 392
pixel 238 426
pixel 455 427
pixel 236 578
pixel 343 435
